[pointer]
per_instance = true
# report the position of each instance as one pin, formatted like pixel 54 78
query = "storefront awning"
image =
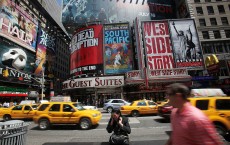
pixel 13 95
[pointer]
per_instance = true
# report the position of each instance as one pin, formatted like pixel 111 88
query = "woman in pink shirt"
pixel 190 126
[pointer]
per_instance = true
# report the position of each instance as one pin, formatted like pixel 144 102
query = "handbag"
pixel 118 139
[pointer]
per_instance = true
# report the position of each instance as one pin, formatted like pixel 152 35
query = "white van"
pixel 207 92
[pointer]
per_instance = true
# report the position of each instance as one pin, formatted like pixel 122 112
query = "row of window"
pixel 198 1
pixel 215 47
pixel 221 104
pixel 213 21
pixel 216 33
pixel 210 10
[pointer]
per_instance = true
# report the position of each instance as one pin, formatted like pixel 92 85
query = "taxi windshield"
pixel 78 106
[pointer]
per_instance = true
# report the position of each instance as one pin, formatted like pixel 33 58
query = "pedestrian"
pixel 119 125
pixel 190 126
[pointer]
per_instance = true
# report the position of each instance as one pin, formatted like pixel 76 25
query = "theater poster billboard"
pixel 86 51
pixel 117 49
pixel 15 62
pixel 41 53
pixel 17 25
pixel 157 45
pixel 186 46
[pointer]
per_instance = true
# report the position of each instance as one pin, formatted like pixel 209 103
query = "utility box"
pixel 13 132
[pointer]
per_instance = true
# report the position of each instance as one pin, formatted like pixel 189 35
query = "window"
pixel 202 104
pixel 223 104
pixel 227 33
pixel 213 21
pixel 55 107
pixel 199 10
pixel 205 34
pixel 221 9
pixel 197 1
pixel 224 20
pixel 43 107
pixel 142 103
pixel 210 10
pixel 207 0
pixel 151 103
pixel 202 22
pixel 27 108
pixel 120 101
pixel 217 34
pixel 67 108
pixel 17 108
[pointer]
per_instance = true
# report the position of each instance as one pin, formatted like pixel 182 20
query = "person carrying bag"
pixel 120 127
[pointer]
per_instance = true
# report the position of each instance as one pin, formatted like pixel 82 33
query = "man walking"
pixel 190 126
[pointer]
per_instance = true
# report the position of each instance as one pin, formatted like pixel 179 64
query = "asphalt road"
pixel 145 130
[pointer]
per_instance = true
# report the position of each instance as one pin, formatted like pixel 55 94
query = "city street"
pixel 145 130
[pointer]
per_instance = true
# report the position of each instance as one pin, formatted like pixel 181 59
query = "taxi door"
pixel 55 113
pixel 16 112
pixel 142 107
pixel 28 112
pixel 68 114
pixel 152 107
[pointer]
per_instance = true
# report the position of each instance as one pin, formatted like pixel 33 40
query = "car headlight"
pixel 94 115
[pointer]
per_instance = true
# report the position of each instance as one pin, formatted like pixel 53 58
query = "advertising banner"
pixel 86 51
pixel 157 45
pixel 117 49
pixel 186 46
pixel 41 53
pixel 182 8
pixel 97 82
pixel 15 62
pixel 161 9
pixel 108 11
pixel 17 25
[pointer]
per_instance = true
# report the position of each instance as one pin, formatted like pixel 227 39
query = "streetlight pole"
pixel 42 83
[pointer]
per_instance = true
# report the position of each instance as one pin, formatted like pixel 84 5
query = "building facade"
pixel 212 19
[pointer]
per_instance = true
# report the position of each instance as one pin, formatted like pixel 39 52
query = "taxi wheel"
pixel 109 109
pixel 135 113
pixel 85 124
pixel 6 117
pixel 44 124
pixel 220 130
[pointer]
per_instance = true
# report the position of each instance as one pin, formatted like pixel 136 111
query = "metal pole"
pixel 42 83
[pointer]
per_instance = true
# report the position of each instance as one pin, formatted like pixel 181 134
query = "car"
pixel 65 113
pixel 140 107
pixel 165 110
pixel 111 104
pixel 17 112
pixel 217 109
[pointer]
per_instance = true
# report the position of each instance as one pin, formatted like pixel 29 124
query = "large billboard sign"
pixel 80 12
pixel 86 51
pixel 117 49
pixel 15 62
pixel 186 47
pixel 158 45
pixel 161 9
pixel 17 25
pixel 41 52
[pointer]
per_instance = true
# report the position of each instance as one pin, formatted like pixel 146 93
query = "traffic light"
pixel 5 73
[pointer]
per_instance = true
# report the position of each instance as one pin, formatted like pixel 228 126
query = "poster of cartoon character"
pixel 117 50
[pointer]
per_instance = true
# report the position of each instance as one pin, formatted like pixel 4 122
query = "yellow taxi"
pixel 17 112
pixel 65 113
pixel 161 103
pixel 140 107
pixel 217 109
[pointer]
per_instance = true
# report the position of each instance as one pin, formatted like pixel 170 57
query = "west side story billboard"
pixel 186 45
pixel 117 49
pixel 86 51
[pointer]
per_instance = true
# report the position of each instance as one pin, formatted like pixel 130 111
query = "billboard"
pixel 15 62
pixel 161 9
pixel 17 25
pixel 186 46
pixel 41 53
pixel 86 51
pixel 117 49
pixel 157 45
pixel 78 12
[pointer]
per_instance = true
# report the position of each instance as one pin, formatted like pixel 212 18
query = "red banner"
pixel 86 50
pixel 158 45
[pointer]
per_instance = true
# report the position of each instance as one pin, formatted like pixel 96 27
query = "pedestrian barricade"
pixel 13 132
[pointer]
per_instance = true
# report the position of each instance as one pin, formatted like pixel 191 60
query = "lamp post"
pixel 42 83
